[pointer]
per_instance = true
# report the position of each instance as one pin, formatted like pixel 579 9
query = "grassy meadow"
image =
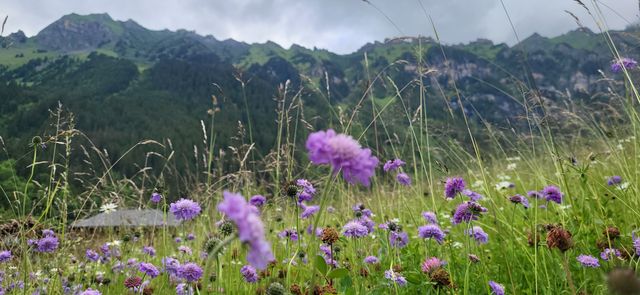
pixel 550 210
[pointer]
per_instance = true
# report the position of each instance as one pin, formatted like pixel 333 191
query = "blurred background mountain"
pixel 125 83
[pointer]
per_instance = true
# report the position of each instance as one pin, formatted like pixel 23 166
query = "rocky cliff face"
pixel 74 33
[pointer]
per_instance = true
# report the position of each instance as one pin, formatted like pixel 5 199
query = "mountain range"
pixel 125 83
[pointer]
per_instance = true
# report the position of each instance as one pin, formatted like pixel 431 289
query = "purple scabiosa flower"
pixel 453 186
pixel 326 249
pixel 398 239
pixel 105 249
pixel 467 212
pixel 535 194
pixel 371 260
pixel 614 180
pixel 309 211
pixel 132 262
pixel 47 244
pixel 250 228
pixel 636 242
pixel 191 237
pixel 392 165
pixel 258 200
pixel 430 217
pixel 473 196
pixel 148 269
pixel 391 225
pixel 306 186
pixel 609 253
pixel 307 191
pixel 368 223
pixel 149 250
pixel 588 261
pixel 354 229
pixel 332 262
pixel 328 256
pixel 117 267
pixel 184 289
pixel 625 62
pixel 344 154
pixel 90 292
pixel 48 233
pixel 185 250
pixel 190 272
pixel 156 197
pixel 290 233
pixel 170 265
pixel 5 256
pixel 520 199
pixel 478 234
pixel 249 274
pixel 431 264
pixel 496 289
pixel 185 209
pixel 403 179
pixel 395 277
pixel 317 232
pixel 360 210
pixel 92 255
pixel 431 231
pixel 552 193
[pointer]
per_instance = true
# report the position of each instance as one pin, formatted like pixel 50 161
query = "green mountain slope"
pixel 126 83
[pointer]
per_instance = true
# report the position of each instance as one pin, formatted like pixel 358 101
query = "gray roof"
pixel 128 217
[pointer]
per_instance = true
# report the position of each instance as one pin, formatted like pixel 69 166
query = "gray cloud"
pixel 339 25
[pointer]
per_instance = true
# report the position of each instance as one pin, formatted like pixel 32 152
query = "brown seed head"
pixel 329 235
pixel 296 290
pixel 441 277
pixel 147 290
pixel 397 268
pixel 132 282
pixel 533 239
pixel 473 258
pixel 611 233
pixel 602 244
pixel 559 238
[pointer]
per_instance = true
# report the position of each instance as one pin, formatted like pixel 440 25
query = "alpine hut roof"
pixel 128 218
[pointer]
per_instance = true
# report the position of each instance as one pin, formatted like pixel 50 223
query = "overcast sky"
pixel 338 25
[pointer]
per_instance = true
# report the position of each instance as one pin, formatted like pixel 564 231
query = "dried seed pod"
pixel 559 238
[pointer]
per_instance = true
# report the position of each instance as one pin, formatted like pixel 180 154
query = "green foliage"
pixel 11 184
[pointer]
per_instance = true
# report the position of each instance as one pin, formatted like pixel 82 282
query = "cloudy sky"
pixel 339 25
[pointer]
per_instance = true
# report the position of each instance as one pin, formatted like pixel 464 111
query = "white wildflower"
pixel 623 186
pixel 108 208
pixel 114 243
pixel 504 177
pixel 504 185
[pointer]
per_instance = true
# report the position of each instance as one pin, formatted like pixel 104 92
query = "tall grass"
pixel 564 144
